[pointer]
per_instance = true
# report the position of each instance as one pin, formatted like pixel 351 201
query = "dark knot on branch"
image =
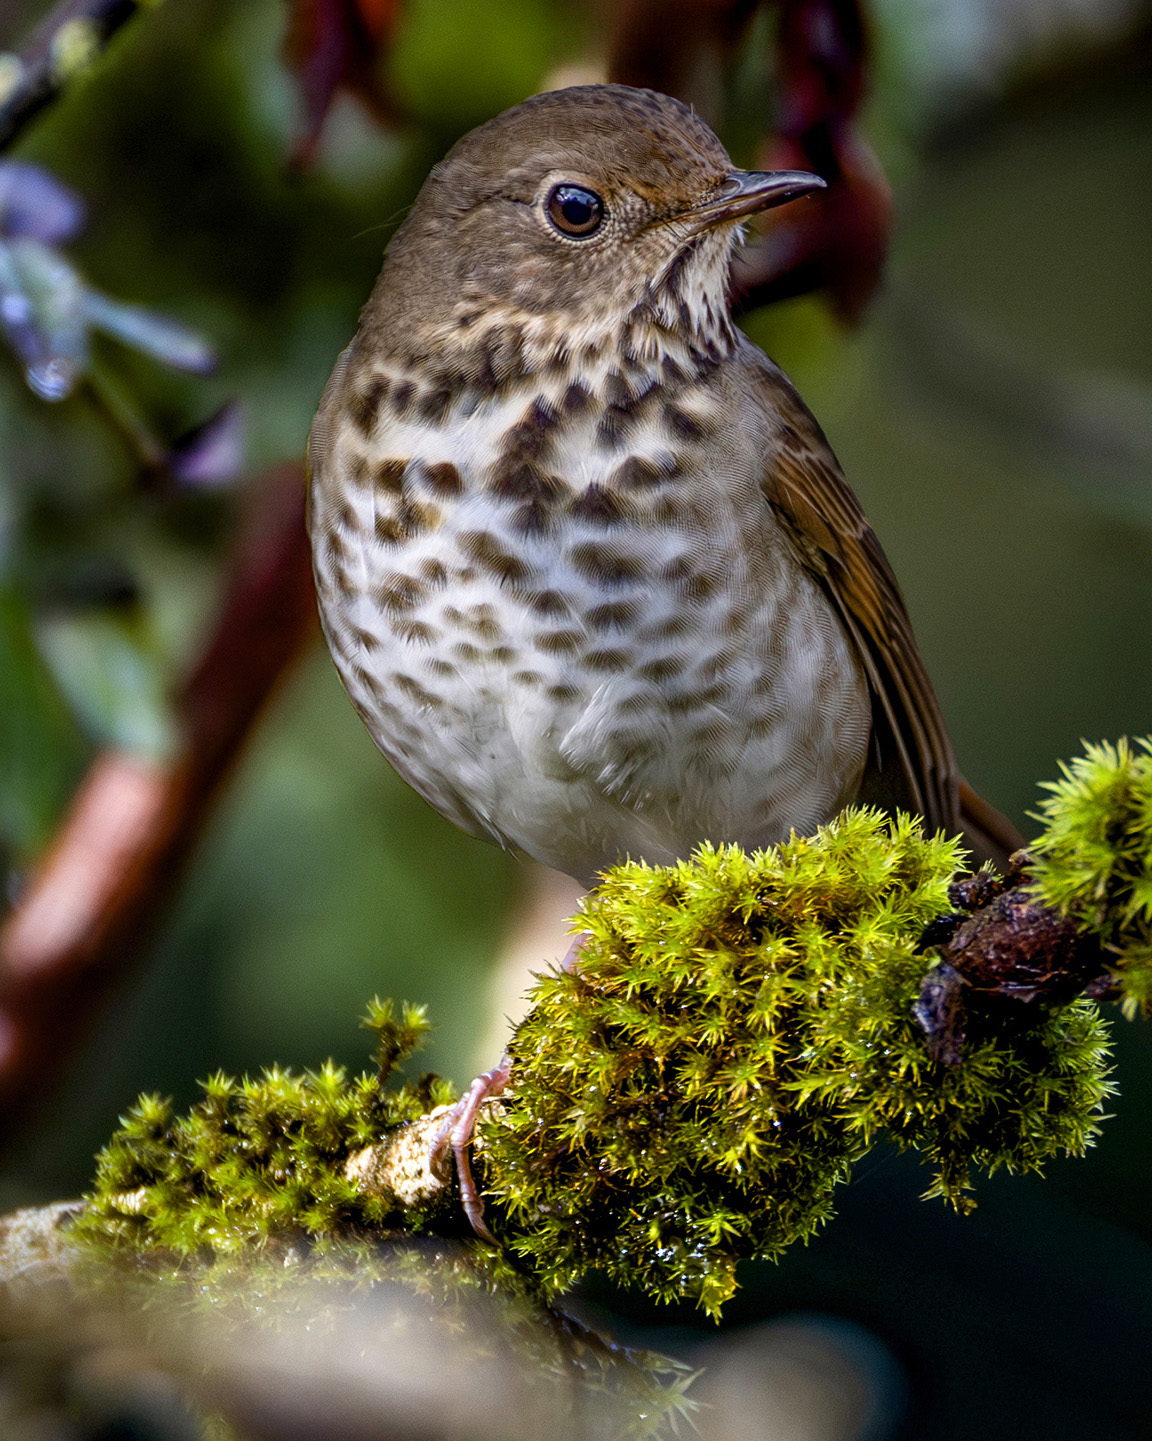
pixel 1000 945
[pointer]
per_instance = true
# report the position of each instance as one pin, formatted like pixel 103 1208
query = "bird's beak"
pixel 746 191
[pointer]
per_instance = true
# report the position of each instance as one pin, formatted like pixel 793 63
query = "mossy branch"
pixel 740 1031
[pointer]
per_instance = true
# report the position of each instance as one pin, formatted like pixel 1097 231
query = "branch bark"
pixel 59 50
pixel 133 825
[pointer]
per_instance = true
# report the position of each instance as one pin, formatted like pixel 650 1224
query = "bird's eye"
pixel 575 211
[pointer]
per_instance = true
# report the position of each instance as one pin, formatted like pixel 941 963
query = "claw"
pixel 456 1130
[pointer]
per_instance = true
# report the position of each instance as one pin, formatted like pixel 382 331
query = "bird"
pixel 587 565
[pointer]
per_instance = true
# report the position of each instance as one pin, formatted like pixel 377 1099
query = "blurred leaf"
pixel 108 665
pixel 334 44
pixel 458 62
pixel 40 747
pixel 42 312
pixel 213 453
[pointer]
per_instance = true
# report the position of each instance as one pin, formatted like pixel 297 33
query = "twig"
pixel 60 49
pixel 134 824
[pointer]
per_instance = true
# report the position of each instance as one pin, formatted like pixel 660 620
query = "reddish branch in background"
pixel 133 825
pixel 333 45
pixel 836 242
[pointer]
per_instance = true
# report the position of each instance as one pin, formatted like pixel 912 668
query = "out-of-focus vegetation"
pixel 992 412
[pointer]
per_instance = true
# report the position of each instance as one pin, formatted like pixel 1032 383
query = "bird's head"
pixel 569 216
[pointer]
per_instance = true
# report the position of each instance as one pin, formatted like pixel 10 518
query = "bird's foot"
pixel 571 961
pixel 456 1130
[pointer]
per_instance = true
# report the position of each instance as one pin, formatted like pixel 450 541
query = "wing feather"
pixel 803 482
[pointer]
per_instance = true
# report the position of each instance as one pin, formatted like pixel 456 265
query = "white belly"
pixel 593 689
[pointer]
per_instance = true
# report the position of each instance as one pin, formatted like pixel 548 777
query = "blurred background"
pixel 241 167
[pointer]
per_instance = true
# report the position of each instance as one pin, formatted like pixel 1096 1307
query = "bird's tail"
pixel 987 834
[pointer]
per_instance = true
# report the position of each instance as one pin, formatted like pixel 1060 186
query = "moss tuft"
pixel 258 1163
pixel 1094 859
pixel 740 1031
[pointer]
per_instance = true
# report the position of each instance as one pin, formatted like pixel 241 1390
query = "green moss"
pixel 740 1031
pixel 258 1163
pixel 1094 859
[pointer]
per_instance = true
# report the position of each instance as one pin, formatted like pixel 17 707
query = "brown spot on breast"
pixel 617 392
pixel 696 585
pixel 527 677
pixel 364 405
pixel 575 398
pixel 389 475
pixel 614 613
pixel 673 625
pixel 609 659
pixel 663 668
pixel 418 632
pixel 598 505
pixel 433 404
pixel 521 480
pixel 480 620
pixel 681 424
pixel 403 397
pixel 558 642
pixel 364 639
pixel 489 553
pixel 532 518
pixel 546 602
pixel 640 472
pixel 467 652
pixel 610 430
pixel 610 567
pixel 400 592
pixel 433 571
pixel 564 694
pixel 415 691
pixel 356 468
pixel 443 478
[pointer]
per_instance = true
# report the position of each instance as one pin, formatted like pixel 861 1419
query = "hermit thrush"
pixel 588 567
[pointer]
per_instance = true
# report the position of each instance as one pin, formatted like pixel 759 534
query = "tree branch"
pixel 60 49
pixel 134 824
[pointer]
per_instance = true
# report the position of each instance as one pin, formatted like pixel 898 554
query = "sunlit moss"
pixel 1094 859
pixel 739 1032
pixel 259 1162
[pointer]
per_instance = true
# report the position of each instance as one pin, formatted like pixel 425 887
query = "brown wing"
pixel 911 764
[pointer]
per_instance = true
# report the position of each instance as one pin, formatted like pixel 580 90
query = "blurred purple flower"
pixel 213 453
pixel 156 335
pixel 47 309
pixel 42 315
pixel 34 203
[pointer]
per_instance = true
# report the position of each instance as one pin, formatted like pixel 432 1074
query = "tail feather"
pixel 988 835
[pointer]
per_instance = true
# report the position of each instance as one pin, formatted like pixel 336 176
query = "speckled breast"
pixel 569 620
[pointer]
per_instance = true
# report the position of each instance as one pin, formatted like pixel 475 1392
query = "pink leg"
pixel 456 1130
pixel 460 1122
pixel 571 960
